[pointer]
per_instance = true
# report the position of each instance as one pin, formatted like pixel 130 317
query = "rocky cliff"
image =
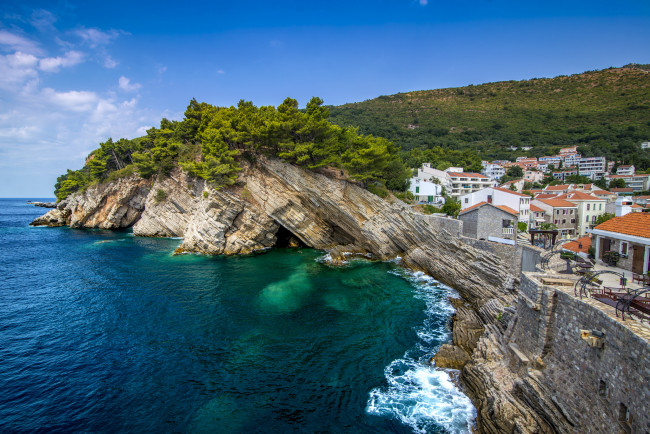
pixel 274 202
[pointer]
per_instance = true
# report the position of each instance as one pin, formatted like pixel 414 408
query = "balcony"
pixel 508 231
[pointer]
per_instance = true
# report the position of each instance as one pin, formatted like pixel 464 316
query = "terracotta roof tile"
pixel 636 224
pixel 559 203
pixel 534 208
pixel 507 209
pixel 578 195
pixel 480 204
pixel 621 190
pixel 557 187
pixel 546 196
pixel 574 246
pixel 601 192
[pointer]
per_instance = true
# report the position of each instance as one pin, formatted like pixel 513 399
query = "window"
pixel 563 221
pixel 417 190
pixel 624 248
pixel 587 219
pixel 593 219
pixel 466 200
pixel 600 207
pixel 588 207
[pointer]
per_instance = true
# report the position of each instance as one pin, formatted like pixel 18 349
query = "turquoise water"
pixel 102 332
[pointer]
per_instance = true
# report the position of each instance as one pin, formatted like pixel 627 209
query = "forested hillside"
pixel 210 142
pixel 603 112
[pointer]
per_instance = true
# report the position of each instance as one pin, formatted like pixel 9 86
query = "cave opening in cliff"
pixel 286 238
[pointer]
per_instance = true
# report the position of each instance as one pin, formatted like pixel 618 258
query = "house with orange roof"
pixel 629 236
pixel 579 246
pixel 487 221
pixel 604 194
pixel 589 207
pixel 500 196
pixel 561 213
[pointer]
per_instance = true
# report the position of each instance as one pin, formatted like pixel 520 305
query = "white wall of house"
pixel 517 202
pixel 425 191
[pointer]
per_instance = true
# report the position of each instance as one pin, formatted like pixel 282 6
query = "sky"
pixel 75 73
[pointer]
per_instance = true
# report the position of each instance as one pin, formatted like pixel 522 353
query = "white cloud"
pixel 109 62
pixel 53 64
pixel 95 37
pixel 74 100
pixel 221 71
pixel 18 43
pixel 126 85
pixel 43 20
pixel 423 2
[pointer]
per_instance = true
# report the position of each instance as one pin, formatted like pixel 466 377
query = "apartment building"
pixel 455 181
pixel 561 213
pixel 627 170
pixel 592 167
pixel 493 171
pixel 635 182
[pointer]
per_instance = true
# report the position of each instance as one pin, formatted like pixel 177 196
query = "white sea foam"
pixel 422 396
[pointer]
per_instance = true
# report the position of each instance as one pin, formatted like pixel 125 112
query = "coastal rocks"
pixel 451 356
pixel 44 204
pixel 53 218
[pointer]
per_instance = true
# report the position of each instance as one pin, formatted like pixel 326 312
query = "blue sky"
pixel 74 73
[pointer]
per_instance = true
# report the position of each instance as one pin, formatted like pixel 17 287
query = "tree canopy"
pixel 209 142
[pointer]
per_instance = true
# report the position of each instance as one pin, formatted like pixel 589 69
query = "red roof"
pixel 574 246
pixel 579 196
pixel 474 206
pixel 534 208
pixel 635 224
pixel 557 187
pixel 622 190
pixel 510 191
pixel 467 175
pixel 546 196
pixel 507 209
pixel 501 207
pixel 601 192
pixel 558 203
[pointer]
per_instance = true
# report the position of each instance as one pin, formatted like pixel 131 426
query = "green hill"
pixel 604 112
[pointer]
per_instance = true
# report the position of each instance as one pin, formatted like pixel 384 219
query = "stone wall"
pixel 594 388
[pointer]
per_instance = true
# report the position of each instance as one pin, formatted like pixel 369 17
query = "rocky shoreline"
pixel 275 203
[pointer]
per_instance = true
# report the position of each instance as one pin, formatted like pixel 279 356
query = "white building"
pixel 493 171
pixel 571 159
pixel 645 145
pixel 625 170
pixel 455 181
pixel 533 176
pixel 425 191
pixel 635 182
pixel 500 196
pixel 592 167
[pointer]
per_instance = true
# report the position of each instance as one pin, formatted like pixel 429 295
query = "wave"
pixel 419 395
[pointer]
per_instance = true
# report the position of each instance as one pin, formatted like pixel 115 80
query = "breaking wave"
pixel 418 394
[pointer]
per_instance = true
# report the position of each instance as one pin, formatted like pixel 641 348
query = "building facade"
pixel 629 236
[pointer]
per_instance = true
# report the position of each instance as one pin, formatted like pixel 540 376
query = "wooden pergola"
pixel 535 232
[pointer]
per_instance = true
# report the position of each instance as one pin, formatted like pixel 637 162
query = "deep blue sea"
pixel 101 331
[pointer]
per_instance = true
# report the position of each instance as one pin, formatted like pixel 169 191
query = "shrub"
pixel 206 194
pixel 378 190
pixel 160 196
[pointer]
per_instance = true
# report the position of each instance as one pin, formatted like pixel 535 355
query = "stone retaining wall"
pixel 598 389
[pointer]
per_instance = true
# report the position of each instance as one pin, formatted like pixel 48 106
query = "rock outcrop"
pixel 274 200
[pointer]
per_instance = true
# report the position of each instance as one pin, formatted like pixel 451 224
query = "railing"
pixel 508 231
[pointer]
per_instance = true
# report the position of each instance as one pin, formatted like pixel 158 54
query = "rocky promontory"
pixel 277 204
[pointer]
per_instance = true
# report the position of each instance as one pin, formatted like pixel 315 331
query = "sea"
pixel 102 331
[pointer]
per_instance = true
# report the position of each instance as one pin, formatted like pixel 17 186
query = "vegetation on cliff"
pixel 606 113
pixel 210 140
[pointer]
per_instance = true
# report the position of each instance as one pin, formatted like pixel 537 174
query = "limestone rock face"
pixel 112 205
pixel 451 356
